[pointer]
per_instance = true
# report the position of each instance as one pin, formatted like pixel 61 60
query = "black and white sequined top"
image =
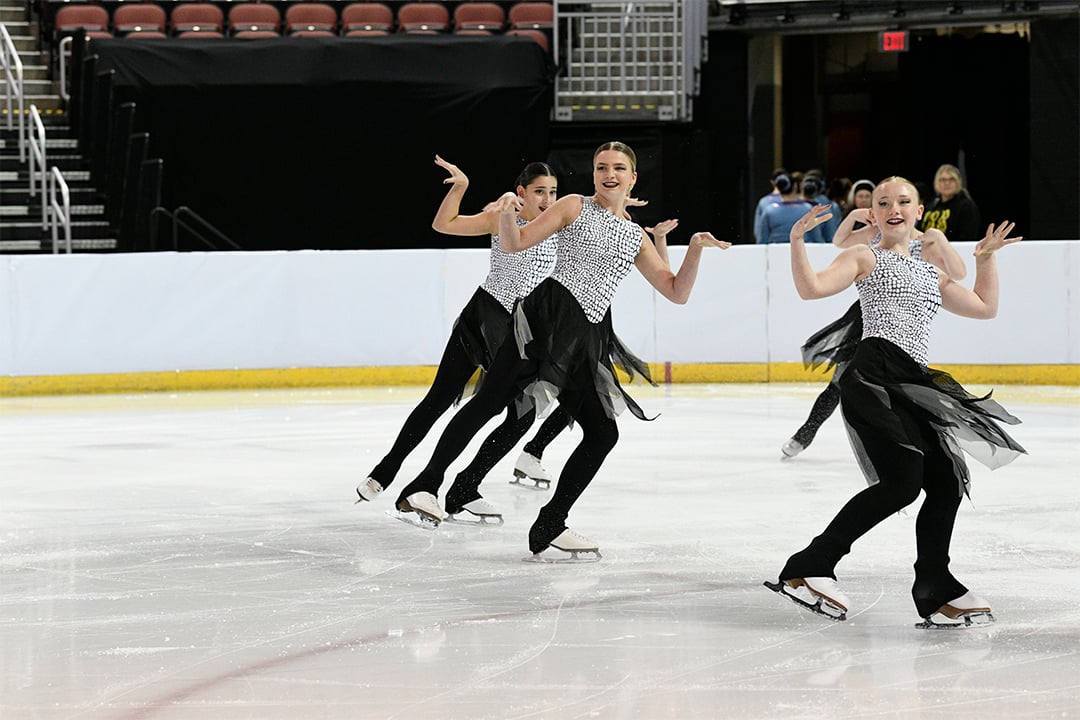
pixel 899 299
pixel 514 275
pixel 594 254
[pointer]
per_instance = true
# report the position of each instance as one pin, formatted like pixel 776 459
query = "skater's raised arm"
pixel 448 219
pixel 982 302
pixel 515 239
pixel 675 287
pixel 850 264
pixel 847 236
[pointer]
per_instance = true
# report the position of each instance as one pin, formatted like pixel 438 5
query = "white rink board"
pixel 84 314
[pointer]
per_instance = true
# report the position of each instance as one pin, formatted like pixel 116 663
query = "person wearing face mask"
pixel 907 422
pixel 952 211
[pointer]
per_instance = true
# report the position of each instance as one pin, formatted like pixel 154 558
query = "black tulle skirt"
pixel 481 328
pixel 573 355
pixel 887 394
pixel 834 345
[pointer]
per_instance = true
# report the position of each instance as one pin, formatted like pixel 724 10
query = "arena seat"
pixel 311 19
pixel 254 20
pixel 428 18
pixel 532 16
pixel 537 36
pixel 479 18
pixel 197 20
pixel 367 19
pixel 142 20
pixel 94 19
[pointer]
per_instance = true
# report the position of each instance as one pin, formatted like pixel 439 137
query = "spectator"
pixel 781 214
pixel 813 191
pixel 953 212
pixel 767 200
pixel 859 197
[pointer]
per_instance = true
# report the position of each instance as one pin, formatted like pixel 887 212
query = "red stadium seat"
pixel 532 16
pixel 479 18
pixel 540 38
pixel 314 19
pixel 254 20
pixel 429 18
pixel 143 20
pixel 194 20
pixel 367 19
pixel 94 19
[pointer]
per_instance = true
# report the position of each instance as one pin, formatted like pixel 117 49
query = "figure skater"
pixel 562 339
pixel 481 327
pixel 834 345
pixel 907 422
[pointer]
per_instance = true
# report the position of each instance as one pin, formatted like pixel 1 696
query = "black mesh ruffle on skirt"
pixel 481 327
pixel 886 393
pixel 834 344
pixel 573 356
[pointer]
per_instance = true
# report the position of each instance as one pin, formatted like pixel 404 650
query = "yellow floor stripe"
pixel 181 381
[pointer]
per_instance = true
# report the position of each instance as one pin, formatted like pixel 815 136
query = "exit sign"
pixel 893 41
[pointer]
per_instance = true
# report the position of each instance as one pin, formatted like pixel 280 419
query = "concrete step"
pixel 45 245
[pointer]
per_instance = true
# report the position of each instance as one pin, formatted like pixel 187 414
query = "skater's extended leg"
pixel 900 470
pixel 500 442
pixel 600 433
pixel 527 469
pixel 824 406
pixel 498 389
pixel 455 369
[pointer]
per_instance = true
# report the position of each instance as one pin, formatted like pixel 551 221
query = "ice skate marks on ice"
pixel 478 513
pixel 529 473
pixel 817 602
pixel 965 611
pixel 579 549
pixel 420 509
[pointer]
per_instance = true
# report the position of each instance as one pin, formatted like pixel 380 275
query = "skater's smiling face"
pixel 895 208
pixel 614 170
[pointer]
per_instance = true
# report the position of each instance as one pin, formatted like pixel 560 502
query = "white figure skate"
pixel 791 448
pixel 580 548
pixel 368 490
pixel 420 509
pixel 477 512
pixel 821 595
pixel 528 472
pixel 965 611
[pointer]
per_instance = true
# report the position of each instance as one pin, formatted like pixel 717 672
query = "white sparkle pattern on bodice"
pixel 594 253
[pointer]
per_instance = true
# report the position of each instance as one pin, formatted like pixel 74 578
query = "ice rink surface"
pixel 199 556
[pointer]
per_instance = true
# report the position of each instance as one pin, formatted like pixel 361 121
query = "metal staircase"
pixel 21 217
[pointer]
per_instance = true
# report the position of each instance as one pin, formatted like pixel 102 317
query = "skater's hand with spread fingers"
pixel 493 206
pixel 636 202
pixel 706 239
pixel 457 177
pixel 996 238
pixel 809 221
pixel 662 228
pixel 508 204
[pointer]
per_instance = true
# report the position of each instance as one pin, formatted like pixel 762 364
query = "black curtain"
pixel 329 143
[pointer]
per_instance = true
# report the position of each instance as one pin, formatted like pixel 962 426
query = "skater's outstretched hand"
pixel 706 239
pixel 457 177
pixel 996 238
pixel 493 206
pixel 809 221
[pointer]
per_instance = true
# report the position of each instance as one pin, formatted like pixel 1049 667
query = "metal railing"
pixel 37 158
pixel 184 218
pixel 63 49
pixel 628 60
pixel 14 88
pixel 59 210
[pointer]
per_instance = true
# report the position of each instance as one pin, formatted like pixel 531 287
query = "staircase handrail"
pixel 183 212
pixel 37 152
pixel 63 49
pixel 59 213
pixel 14 86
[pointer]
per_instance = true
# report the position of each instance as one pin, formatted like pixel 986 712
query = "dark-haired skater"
pixel 907 422
pixel 562 339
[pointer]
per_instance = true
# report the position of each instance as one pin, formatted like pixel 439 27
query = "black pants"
pixel 824 406
pixel 508 375
pixel 903 472
pixel 467 483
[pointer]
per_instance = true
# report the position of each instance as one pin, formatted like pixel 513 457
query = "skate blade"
pixel 414 518
pixel 964 621
pixel 573 557
pixel 531 483
pixel 467 518
pixel 820 607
